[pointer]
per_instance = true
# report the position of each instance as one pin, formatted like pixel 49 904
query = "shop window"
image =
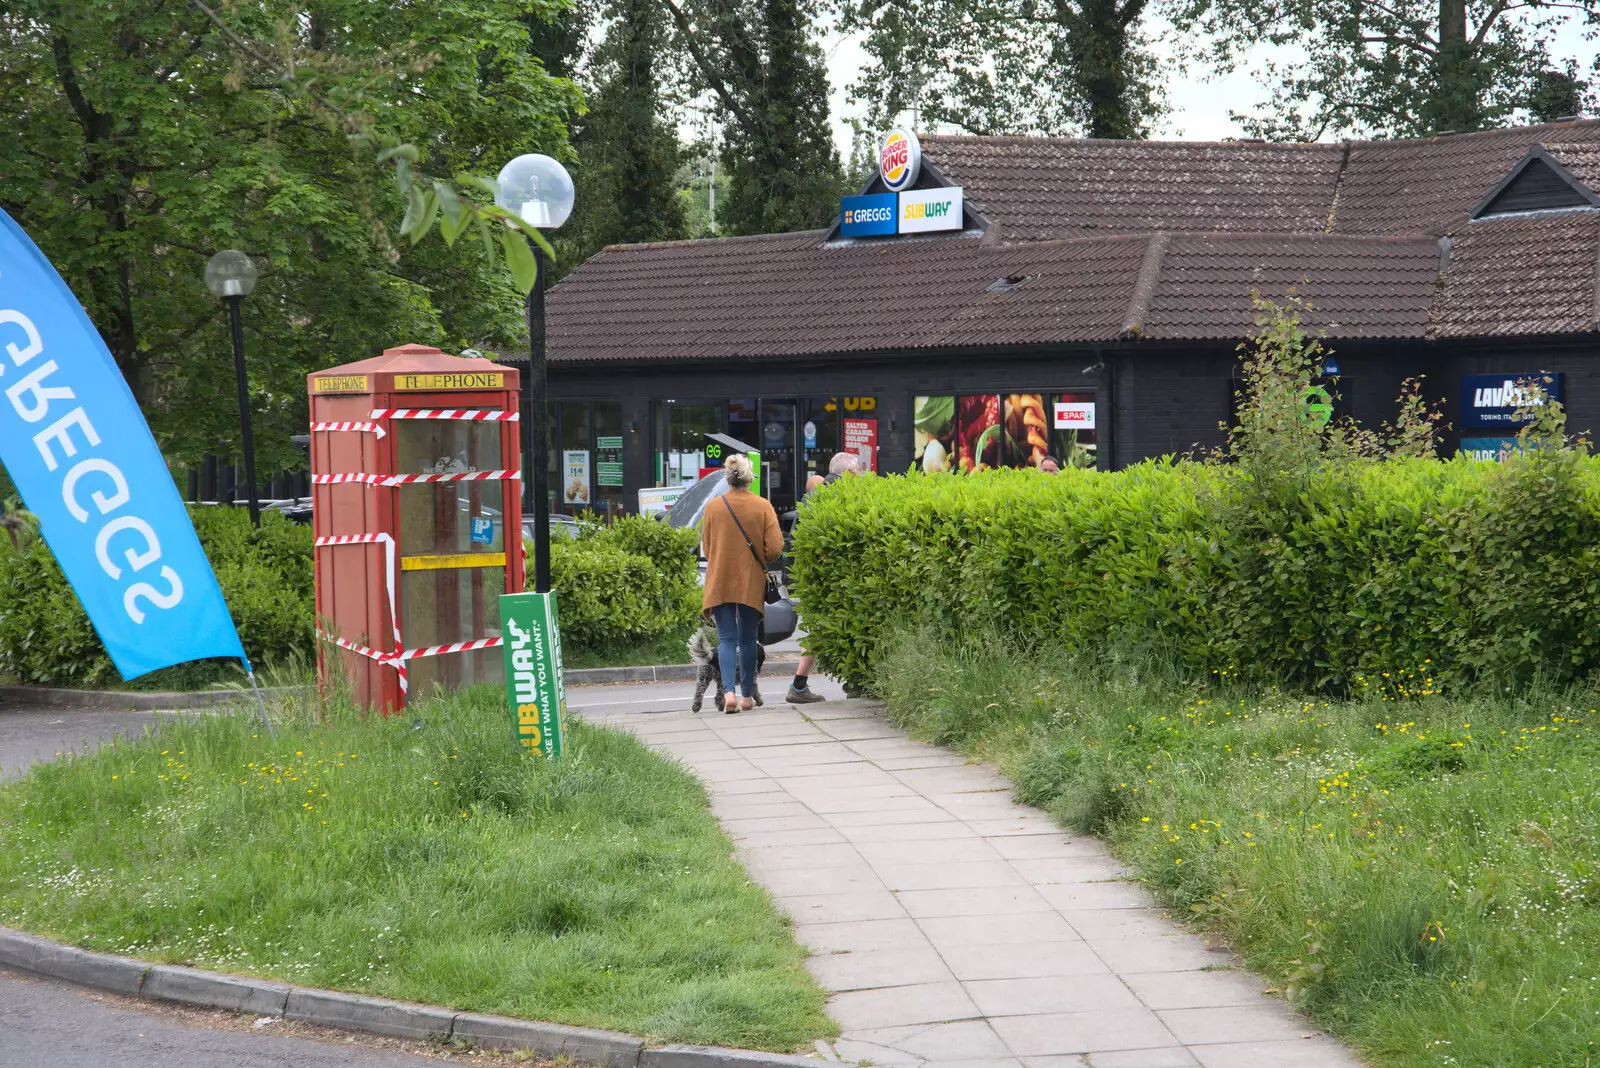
pixel 574 486
pixel 681 431
pixel 984 431
pixel 819 435
pixel 608 496
pixel 777 447
pixel 744 421
pixel 1074 429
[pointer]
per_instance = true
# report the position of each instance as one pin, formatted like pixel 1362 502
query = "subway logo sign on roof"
pixel 928 210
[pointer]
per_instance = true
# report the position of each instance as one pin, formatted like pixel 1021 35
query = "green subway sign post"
pixel 535 688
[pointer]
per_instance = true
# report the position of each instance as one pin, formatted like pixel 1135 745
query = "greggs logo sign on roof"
pixel 899 159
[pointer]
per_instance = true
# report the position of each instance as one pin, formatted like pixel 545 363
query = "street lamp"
pixel 539 191
pixel 231 276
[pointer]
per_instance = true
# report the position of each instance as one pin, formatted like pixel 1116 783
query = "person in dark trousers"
pixel 739 534
pixel 800 693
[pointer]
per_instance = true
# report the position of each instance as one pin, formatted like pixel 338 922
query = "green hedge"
pixel 626 582
pixel 1399 575
pixel 45 637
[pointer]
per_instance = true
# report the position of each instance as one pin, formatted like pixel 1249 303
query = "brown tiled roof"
pixel 1428 186
pixel 1113 239
pixel 1357 287
pixel 790 294
pixel 1582 158
pixel 1035 188
pixel 1529 275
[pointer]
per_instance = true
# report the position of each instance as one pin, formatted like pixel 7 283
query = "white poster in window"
pixel 575 480
pixel 1071 416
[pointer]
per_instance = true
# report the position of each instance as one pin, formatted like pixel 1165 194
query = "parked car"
pixel 561 526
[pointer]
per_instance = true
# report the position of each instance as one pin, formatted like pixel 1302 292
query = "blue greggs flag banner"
pixel 78 448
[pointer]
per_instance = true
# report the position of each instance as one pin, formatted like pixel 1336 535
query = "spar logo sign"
pixel 899 159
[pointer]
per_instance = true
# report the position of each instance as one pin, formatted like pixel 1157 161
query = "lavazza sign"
pixel 903 209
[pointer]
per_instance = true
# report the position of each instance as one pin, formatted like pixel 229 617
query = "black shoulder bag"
pixel 773 594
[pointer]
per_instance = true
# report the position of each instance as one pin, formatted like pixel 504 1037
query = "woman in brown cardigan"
pixel 740 536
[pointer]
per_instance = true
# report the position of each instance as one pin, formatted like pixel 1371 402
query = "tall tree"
pixel 1392 67
pixel 144 135
pixel 627 145
pixel 760 60
pixel 1008 66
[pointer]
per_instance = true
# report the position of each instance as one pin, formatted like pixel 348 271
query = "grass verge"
pixel 422 858
pixel 1421 875
pixel 668 649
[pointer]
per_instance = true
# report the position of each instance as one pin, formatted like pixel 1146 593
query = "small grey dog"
pixel 703 651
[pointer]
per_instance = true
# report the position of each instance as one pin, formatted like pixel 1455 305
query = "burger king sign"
pixel 899 159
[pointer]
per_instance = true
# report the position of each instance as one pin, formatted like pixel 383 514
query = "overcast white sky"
pixel 1199 104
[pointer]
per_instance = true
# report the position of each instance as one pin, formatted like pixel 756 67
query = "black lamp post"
pixel 231 276
pixel 539 190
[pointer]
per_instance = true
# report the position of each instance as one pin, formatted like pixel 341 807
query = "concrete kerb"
pixel 127 701
pixel 582 1044
pixel 355 1012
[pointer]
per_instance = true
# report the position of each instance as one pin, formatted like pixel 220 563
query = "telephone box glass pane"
pixel 452 671
pixel 449 517
pixel 445 447
pixel 458 604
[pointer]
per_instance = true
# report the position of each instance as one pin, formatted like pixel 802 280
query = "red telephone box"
pixel 417 513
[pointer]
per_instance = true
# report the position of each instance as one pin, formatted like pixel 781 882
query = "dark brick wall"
pixel 1168 399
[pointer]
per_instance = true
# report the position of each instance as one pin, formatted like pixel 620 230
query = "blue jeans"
pixel 738 628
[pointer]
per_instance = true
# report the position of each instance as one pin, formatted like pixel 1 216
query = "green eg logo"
pixel 1319 406
pixel 713 452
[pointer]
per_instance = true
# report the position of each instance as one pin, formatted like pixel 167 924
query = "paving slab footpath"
pixel 952 927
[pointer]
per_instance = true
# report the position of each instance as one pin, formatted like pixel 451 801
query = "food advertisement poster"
pixel 984 431
pixel 861 438
pixel 575 476
pixel 1027 430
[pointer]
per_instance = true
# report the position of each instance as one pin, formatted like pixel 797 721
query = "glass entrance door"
pixel 778 452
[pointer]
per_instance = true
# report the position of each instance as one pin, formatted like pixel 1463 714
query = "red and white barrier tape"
pixel 406 480
pixel 468 415
pixel 396 659
pixel 366 428
pixel 367 651
pixel 452 647
pixel 391 567
pixel 348 476
pixel 465 476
